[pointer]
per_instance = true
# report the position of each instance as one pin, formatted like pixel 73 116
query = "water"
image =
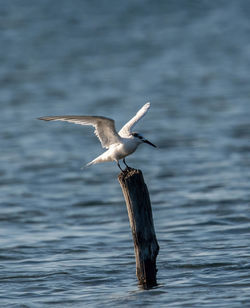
pixel 65 236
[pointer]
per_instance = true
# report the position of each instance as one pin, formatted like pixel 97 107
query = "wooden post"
pixel 141 222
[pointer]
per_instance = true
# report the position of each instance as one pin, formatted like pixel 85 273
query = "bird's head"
pixel 140 139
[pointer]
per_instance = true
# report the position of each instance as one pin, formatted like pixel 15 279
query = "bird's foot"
pixel 128 168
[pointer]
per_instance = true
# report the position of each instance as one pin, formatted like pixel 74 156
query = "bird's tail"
pixel 90 163
pixel 97 160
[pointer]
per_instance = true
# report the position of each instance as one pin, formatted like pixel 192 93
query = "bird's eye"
pixel 135 134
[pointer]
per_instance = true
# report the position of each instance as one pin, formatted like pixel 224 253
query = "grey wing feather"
pixel 104 127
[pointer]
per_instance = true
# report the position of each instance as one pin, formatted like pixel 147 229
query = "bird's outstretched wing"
pixel 127 128
pixel 104 127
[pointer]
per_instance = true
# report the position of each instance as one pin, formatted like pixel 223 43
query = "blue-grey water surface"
pixel 65 236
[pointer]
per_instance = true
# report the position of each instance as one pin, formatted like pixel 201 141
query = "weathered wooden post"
pixel 141 222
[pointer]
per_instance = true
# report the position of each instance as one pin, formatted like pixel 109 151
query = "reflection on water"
pixel 65 231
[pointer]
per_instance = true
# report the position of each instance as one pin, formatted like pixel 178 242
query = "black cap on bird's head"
pixel 136 135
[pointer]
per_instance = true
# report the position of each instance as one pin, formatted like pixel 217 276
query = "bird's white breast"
pixel 125 148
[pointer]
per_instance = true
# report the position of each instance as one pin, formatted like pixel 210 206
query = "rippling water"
pixel 65 236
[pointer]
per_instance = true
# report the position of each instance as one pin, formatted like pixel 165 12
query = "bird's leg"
pixel 126 164
pixel 120 167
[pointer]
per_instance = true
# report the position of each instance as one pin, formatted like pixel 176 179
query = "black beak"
pixel 148 142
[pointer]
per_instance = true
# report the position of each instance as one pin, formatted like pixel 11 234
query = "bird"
pixel 119 145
